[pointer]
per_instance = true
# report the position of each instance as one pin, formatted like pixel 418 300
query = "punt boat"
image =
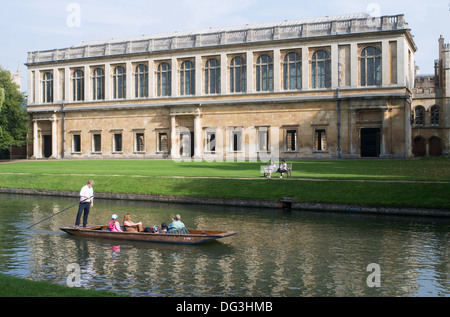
pixel 194 236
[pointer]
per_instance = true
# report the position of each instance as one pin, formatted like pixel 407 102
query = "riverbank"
pixel 410 187
pixel 16 287
pixel 285 202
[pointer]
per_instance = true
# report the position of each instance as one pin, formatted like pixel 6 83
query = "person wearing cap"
pixel 114 225
pixel 176 224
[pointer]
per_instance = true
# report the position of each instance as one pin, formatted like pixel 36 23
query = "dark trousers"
pixel 83 207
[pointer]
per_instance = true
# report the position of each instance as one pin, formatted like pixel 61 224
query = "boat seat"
pixel 179 231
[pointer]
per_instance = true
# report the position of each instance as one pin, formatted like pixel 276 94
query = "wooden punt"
pixel 195 236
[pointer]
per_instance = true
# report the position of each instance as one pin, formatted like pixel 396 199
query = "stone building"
pixel 314 88
pixel 430 117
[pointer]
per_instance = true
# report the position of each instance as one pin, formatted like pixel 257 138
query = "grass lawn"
pixel 425 169
pixel 158 180
pixel 16 287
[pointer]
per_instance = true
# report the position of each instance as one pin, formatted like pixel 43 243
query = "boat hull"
pixel 195 237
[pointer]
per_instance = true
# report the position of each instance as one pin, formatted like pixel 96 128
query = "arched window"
pixel 141 81
pixel 419 115
pixel 292 72
pixel 371 66
pixel 98 84
pixel 238 75
pixel 321 70
pixel 212 77
pixel 120 83
pixel 78 85
pixel 187 78
pixel 434 114
pixel 47 88
pixel 264 73
pixel 164 80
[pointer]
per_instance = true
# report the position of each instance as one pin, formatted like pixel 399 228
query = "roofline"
pixel 249 34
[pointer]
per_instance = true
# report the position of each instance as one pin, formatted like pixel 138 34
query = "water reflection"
pixel 275 253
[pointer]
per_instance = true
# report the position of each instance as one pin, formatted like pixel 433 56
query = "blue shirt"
pixel 176 225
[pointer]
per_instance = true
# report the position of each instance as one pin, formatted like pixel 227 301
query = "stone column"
pixel 223 74
pixel 174 153
pixel 385 69
pixel 151 78
pixel 56 86
pixel 67 82
pixel 198 137
pixel 108 82
pixel 276 70
pixel 130 80
pixel 305 69
pixel 38 87
pixel 30 87
pixel 250 80
pixel 385 132
pixel 354 64
pixel 334 66
pixel 87 83
pixel 174 77
pixel 198 75
pixel 36 152
pixel 54 137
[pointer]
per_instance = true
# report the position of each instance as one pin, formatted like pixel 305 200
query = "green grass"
pixel 16 287
pixel 49 175
pixel 424 169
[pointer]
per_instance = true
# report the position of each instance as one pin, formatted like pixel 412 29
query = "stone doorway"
pixel 370 142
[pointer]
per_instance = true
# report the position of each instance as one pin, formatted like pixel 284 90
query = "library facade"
pixel 313 88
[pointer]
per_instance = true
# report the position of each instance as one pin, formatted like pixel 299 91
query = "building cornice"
pixel 245 35
pixel 259 99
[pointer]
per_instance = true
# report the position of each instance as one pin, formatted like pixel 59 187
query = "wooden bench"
pixel 265 169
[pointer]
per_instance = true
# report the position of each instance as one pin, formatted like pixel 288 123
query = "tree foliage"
pixel 13 114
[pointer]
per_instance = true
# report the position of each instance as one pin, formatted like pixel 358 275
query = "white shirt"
pixel 88 192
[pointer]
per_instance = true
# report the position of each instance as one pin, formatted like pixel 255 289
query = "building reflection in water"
pixel 274 254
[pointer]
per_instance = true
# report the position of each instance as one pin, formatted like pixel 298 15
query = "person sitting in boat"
pixel 114 225
pixel 164 228
pixel 176 224
pixel 130 226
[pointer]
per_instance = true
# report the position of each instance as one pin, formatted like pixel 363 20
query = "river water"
pixel 277 253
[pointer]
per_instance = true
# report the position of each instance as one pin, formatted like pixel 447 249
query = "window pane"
pixel 139 142
pixel 370 72
pixel 163 142
pixel 118 142
pixel 291 140
pixel 77 143
pixel 97 143
pixel 363 72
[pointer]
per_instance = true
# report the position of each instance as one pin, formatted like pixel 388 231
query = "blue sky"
pixel 32 25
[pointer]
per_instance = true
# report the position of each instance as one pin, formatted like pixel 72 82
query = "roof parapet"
pixel 345 24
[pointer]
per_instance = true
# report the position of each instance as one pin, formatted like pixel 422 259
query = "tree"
pixel 13 114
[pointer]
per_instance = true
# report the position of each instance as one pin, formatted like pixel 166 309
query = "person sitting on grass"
pixel 114 225
pixel 176 224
